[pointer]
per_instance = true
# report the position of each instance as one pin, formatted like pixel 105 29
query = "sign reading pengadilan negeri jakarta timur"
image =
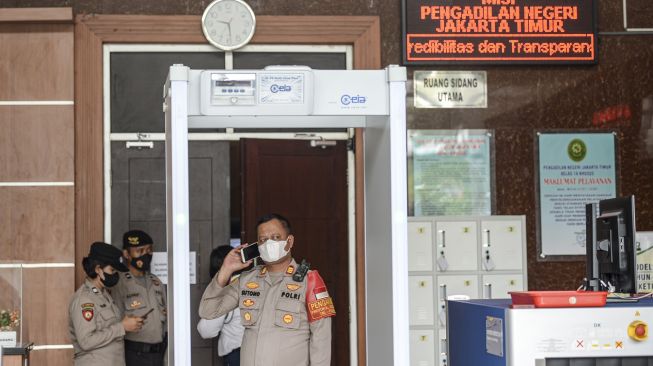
pixel 498 31
pixel 575 169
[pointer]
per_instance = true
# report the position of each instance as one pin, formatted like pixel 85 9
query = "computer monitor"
pixel 611 254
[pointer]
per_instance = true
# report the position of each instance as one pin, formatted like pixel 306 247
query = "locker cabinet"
pixel 422 343
pixel 456 243
pixel 477 256
pixel 420 246
pixel 502 242
pixel 451 285
pixel 498 286
pixel 420 290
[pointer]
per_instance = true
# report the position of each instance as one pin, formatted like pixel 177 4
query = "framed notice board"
pixel 498 32
pixel 573 169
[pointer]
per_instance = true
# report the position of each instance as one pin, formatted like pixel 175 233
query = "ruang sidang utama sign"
pixel 498 32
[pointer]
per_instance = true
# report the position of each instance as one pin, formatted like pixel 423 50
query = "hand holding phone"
pixel 249 252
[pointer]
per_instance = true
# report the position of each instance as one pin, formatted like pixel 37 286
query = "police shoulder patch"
pixel 87 311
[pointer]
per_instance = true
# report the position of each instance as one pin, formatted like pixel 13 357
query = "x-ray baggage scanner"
pixel 299 97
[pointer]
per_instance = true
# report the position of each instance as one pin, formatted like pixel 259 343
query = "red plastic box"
pixel 559 299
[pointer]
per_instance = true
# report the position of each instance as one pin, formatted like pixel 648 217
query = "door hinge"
pixel 323 143
pixel 351 144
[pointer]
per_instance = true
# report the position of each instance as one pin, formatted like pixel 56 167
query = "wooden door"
pixel 308 185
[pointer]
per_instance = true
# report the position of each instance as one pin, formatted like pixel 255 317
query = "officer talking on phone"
pixel 140 293
pixel 286 310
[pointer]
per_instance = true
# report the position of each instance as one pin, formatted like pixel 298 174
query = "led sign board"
pixel 498 32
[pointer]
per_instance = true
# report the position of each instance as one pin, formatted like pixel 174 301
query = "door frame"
pixel 93 31
pixel 108 136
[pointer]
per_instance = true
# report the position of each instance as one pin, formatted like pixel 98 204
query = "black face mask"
pixel 110 280
pixel 142 263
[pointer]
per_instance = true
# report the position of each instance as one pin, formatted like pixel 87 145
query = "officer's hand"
pixel 132 323
pixel 232 263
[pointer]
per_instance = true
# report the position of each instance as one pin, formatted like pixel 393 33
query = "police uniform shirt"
pixel 274 313
pixel 95 326
pixel 135 297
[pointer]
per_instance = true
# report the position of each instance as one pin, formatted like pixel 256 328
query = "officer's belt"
pixel 145 347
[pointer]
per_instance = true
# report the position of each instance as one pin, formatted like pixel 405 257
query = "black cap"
pixel 135 239
pixel 108 255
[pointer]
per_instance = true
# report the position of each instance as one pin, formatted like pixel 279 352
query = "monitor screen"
pixel 611 254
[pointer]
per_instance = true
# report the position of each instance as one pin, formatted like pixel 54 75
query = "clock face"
pixel 228 24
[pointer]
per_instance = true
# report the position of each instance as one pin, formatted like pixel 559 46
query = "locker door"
pixel 457 243
pixel 420 246
pixel 502 242
pixel 420 292
pixel 422 343
pixel 498 286
pixel 454 285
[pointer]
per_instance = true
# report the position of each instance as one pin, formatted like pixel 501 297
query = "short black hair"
pixel 274 216
pixel 89 264
pixel 217 258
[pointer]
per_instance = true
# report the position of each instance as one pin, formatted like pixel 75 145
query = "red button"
pixel 640 330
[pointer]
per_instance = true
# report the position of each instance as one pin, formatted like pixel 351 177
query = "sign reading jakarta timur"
pixel 574 169
pixel 498 31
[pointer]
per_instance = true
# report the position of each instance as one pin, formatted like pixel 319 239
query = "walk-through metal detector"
pixel 299 97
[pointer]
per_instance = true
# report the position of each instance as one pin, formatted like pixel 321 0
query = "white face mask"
pixel 271 251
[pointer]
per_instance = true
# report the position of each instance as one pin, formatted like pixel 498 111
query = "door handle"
pixel 487 238
pixel 487 291
pixel 443 243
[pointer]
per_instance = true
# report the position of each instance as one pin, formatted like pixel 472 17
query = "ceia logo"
pixel 577 150
pixel 280 88
pixel 347 99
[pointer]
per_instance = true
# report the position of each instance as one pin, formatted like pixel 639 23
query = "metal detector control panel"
pixel 277 91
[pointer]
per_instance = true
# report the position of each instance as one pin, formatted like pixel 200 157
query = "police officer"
pixel 140 293
pixel 287 318
pixel 95 324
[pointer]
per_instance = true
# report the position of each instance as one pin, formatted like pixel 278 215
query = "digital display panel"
pixel 498 32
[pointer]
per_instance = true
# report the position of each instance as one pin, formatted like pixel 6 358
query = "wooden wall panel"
pixel 37 143
pixel 52 357
pixel 49 15
pixel 36 62
pixel 37 224
pixel 46 294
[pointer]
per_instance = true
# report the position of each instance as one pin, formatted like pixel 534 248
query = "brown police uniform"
pixel 95 326
pixel 134 299
pixel 275 313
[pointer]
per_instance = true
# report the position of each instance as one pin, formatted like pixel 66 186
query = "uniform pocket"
pixel 108 317
pixel 249 311
pixel 133 304
pixel 287 314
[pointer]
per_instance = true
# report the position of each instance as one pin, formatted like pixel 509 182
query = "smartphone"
pixel 148 313
pixel 249 252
